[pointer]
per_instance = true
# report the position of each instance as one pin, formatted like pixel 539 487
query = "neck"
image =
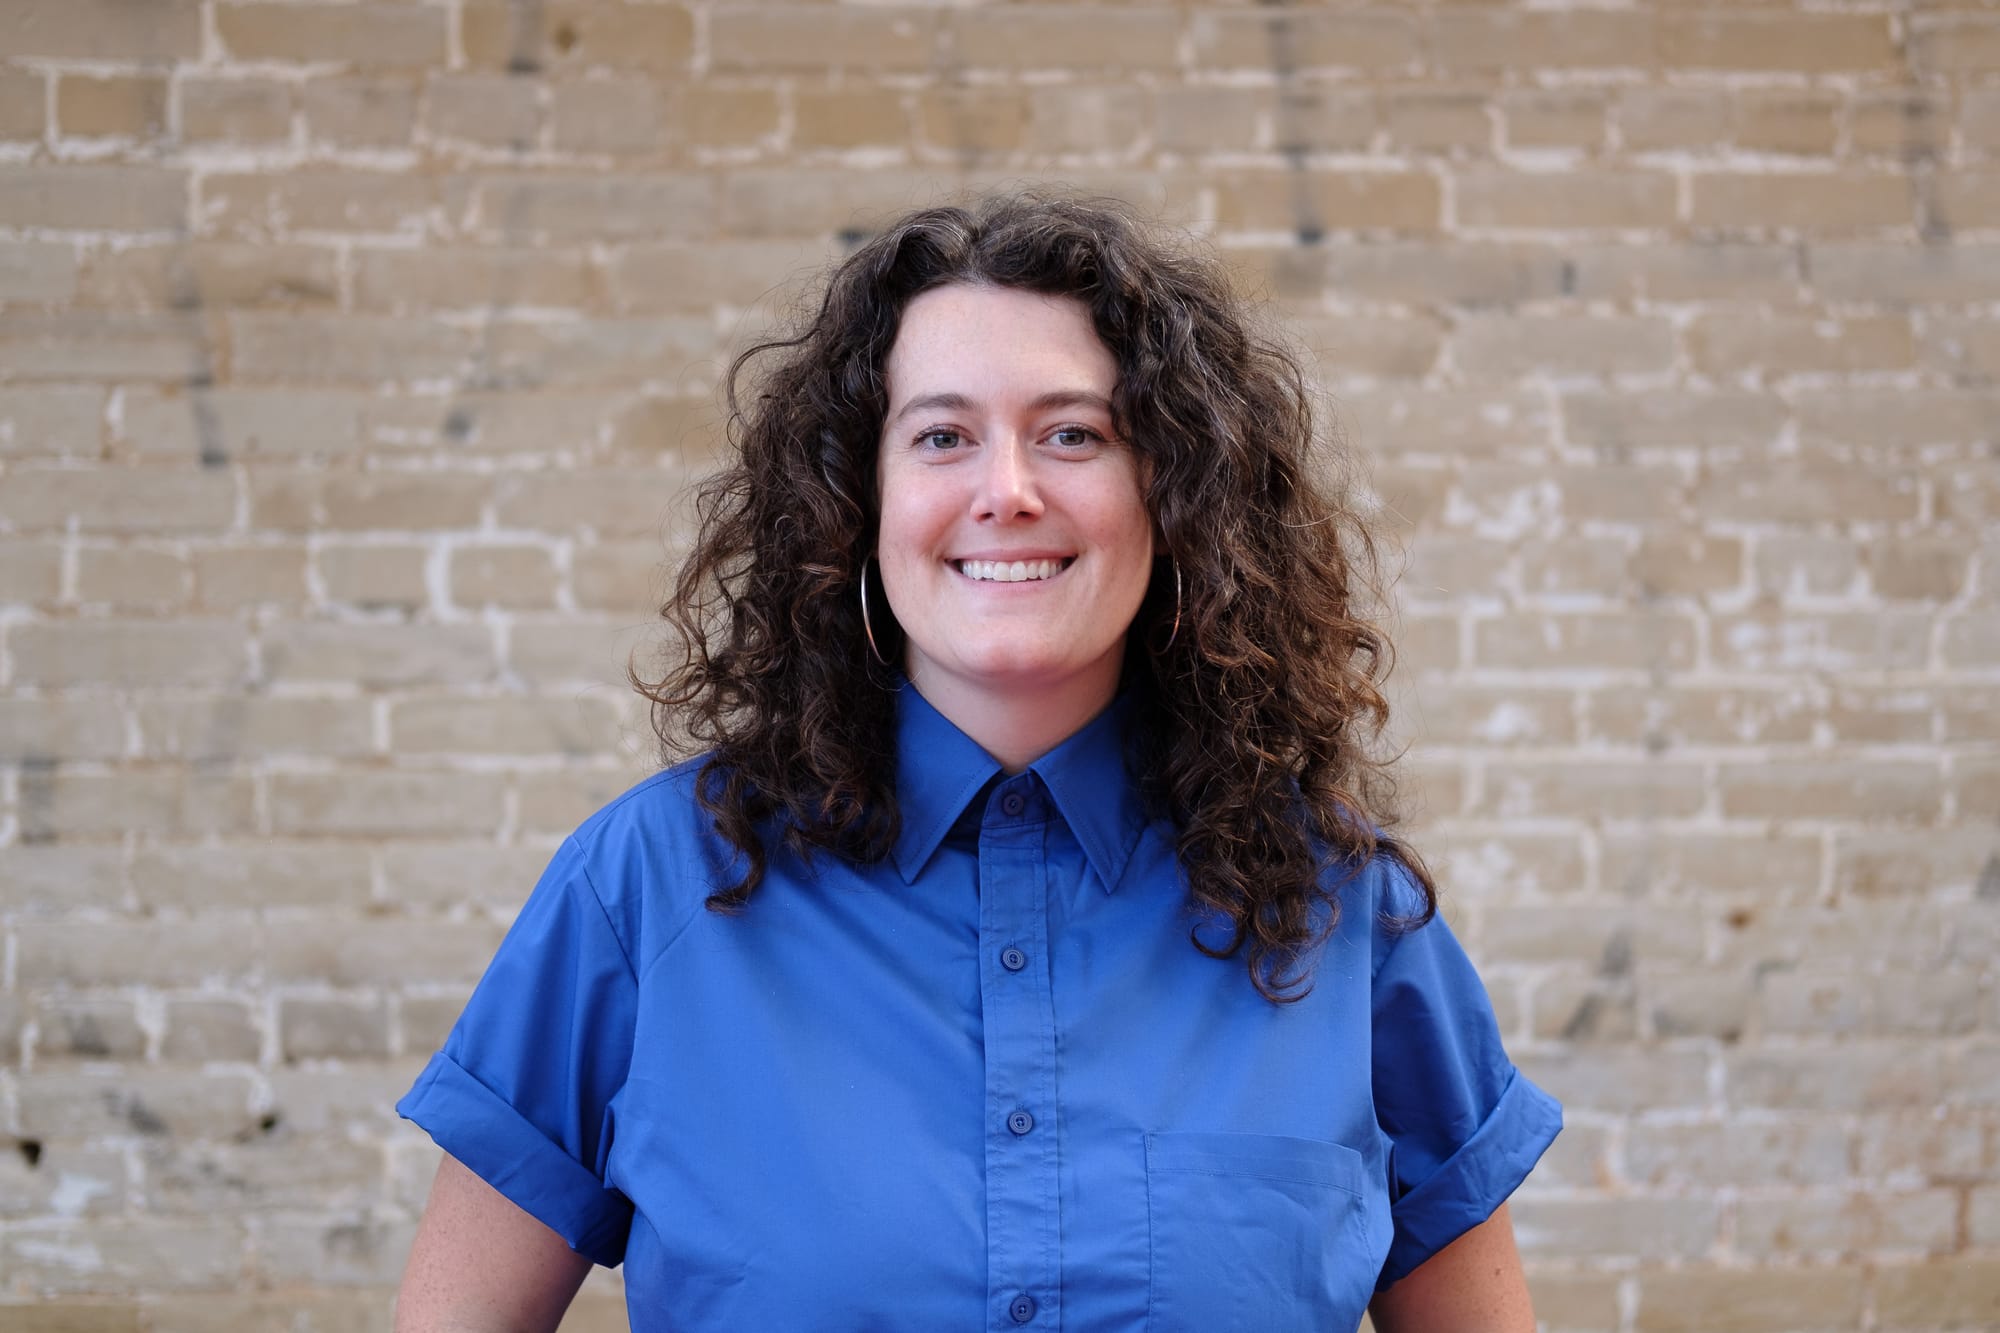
pixel 1019 726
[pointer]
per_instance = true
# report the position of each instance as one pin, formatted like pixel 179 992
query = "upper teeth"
pixel 1010 571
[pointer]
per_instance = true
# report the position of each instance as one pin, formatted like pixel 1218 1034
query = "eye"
pixel 939 441
pixel 1075 437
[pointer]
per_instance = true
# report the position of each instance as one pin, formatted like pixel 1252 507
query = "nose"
pixel 1008 487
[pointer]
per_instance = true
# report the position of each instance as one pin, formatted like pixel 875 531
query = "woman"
pixel 1025 950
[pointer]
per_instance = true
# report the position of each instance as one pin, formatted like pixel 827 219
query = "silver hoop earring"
pixel 1175 632
pixel 867 628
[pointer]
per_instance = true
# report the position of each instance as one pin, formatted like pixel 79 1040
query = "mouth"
pixel 1012 571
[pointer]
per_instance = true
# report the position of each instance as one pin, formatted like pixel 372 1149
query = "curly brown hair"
pixel 1254 727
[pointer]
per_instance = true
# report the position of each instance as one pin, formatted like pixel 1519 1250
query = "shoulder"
pixel 650 856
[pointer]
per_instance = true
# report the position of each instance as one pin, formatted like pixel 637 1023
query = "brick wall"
pixel 353 355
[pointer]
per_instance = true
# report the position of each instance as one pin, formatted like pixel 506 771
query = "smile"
pixel 1012 571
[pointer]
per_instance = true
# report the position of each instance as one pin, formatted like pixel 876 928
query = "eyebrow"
pixel 958 402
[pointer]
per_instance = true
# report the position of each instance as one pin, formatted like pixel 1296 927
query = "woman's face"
pixel 1015 543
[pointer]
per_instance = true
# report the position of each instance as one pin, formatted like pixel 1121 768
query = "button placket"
pixel 1023 1200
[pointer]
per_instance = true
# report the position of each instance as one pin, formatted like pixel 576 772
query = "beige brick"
pixel 448 874
pixel 1893 863
pixel 91 1182
pixel 357 1099
pixel 613 353
pixel 1795 565
pixel 1450 566
pixel 235 110
pixel 1806 492
pixel 1936 1002
pixel 251 875
pixel 496 110
pixel 1787 789
pixel 1883 717
pixel 1819 203
pixel 258 206
pixel 1967 348
pixel 132 578
pixel 1803 43
pixel 215 946
pixel 1439 119
pixel 1682 564
pixel 547 423
pixel 622 502
pixel 426 1020
pixel 352 1249
pixel 1885 933
pixel 761 204
pixel 1301 118
pixel 1797 123
pixel 169 803
pixel 104 30
pixel 88 1027
pixel 114 106
pixel 1740 1301
pixel 1553 118
pixel 1978 126
pixel 375 501
pixel 722 116
pixel 350 952
pixel 1975 784
pixel 1954 43
pixel 130 653
pixel 346 349
pixel 555 802
pixel 363 112
pixel 23 104
pixel 120 501
pixel 1655 117
pixel 562 36
pixel 567 650
pixel 1571 201
pixel 1971 640
pixel 1713 270
pixel 375 36
pixel 339 1027
pixel 200 1030
pixel 1958 1292
pixel 1386 348
pixel 1964 201
pixel 1702 715
pixel 1657 1227
pixel 781 37
pixel 1967 712
pixel 1908 125
pixel 94 198
pixel 228 578
pixel 209 276
pixel 1886 272
pixel 130 1254
pixel 387 804
pixel 1348 201
pixel 972 120
pixel 1607 937
pixel 64 420
pixel 47 878
pixel 1567 1302
pixel 682 276
pixel 486 280
pixel 375 577
pixel 1510 347
pixel 1380 41
pixel 1728 345
pixel 1032 37
pixel 1609 641
pixel 1742 1151
pixel 1856 1076
pixel 574 727
pixel 1458 272
pixel 1918 569
pixel 1452 714
pixel 1783 867
pixel 276 1170
pixel 60 729
pixel 619 576
pixel 1485 40
pixel 509 576
pixel 1891 639
pixel 1596 790
pixel 336 1311
pixel 377 656
pixel 1200 118
pixel 207 730
pixel 623 116
pixel 30 573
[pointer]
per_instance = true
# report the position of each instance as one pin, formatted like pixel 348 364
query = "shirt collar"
pixel 939 769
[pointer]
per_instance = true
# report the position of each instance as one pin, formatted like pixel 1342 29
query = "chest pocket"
pixel 1255 1232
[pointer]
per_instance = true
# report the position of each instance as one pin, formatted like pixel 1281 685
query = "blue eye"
pixel 1074 436
pixel 939 439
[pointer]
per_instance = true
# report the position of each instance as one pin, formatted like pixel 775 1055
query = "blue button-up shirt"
pixel 988 1083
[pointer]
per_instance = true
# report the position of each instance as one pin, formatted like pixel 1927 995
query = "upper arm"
pixel 480 1263
pixel 1475 1284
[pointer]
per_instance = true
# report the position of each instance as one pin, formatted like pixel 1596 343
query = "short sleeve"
pixel 1465 1126
pixel 521 1092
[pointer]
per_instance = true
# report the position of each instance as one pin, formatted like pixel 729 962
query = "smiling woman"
pixel 1025 947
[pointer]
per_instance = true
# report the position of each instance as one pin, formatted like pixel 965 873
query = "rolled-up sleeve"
pixel 522 1091
pixel 1466 1127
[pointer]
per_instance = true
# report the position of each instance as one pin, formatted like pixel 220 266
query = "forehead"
pixel 968 339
